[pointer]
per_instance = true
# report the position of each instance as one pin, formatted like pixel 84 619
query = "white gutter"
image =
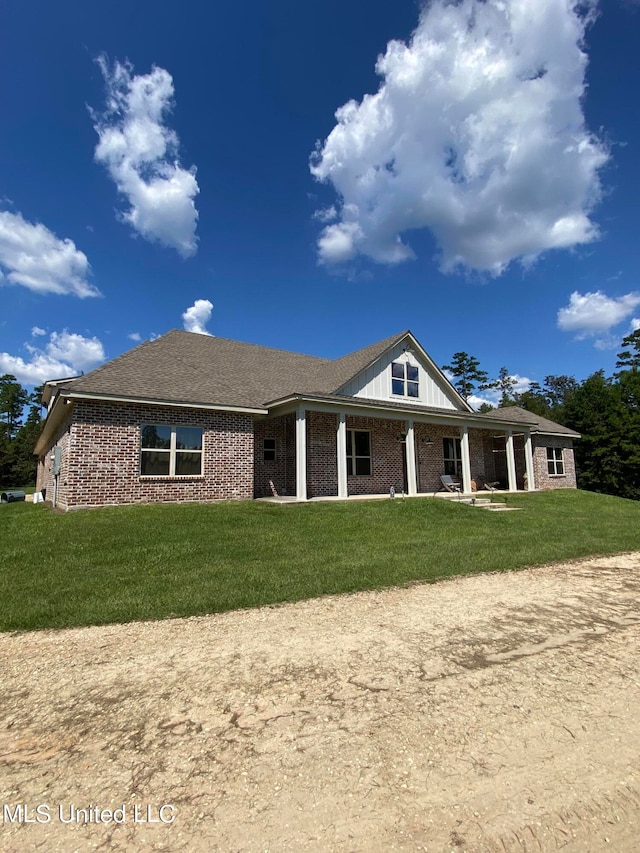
pixel 392 413
pixel 75 395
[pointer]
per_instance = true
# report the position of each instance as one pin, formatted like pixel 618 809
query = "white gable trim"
pixel 374 381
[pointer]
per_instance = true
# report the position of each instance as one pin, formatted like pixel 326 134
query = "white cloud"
pixel 141 154
pixel 135 336
pixel 66 354
pixel 36 331
pixel 326 214
pixel 197 316
pixel 593 314
pixel 476 133
pixel 635 325
pixel 34 257
pixel 80 352
pixel 492 395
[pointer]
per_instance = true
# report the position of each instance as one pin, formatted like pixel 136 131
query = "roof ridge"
pixel 249 344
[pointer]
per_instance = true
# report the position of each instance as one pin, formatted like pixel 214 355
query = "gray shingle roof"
pixel 516 413
pixel 183 367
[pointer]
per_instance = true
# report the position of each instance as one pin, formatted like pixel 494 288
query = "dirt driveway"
pixel 497 712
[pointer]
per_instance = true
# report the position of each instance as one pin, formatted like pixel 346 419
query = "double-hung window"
pixel 170 451
pixel 358 452
pixel 452 452
pixel 555 460
pixel 404 379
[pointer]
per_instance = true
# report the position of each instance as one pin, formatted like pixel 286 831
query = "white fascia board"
pixel 556 434
pixel 424 355
pixel 54 418
pixel 75 395
pixel 435 367
pixel 359 406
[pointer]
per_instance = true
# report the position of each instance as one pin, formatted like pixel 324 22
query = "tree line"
pixel 604 410
pixel 20 425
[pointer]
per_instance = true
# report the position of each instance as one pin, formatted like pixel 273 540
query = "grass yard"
pixel 148 562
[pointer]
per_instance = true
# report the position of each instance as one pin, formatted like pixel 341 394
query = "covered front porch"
pixel 316 449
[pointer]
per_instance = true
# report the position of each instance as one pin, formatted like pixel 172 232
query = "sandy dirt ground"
pixel 491 713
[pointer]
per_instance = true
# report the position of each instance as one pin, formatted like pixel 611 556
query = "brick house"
pixel 189 417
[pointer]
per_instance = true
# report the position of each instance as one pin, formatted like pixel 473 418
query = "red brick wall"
pixel 44 476
pixel 278 477
pixel 322 454
pixel 430 457
pixel 103 456
pixel 386 457
pixel 543 479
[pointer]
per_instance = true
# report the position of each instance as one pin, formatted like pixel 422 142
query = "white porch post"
pixel 466 461
pixel 342 455
pixel 410 450
pixel 301 454
pixel 528 461
pixel 511 463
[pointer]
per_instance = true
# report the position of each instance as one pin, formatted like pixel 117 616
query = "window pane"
pixel 156 436
pixel 188 463
pixel 397 370
pixel 188 438
pixel 412 373
pixel 363 466
pixel 154 462
pixel 559 467
pixel 549 453
pixel 349 466
pixel 448 448
pixel 551 466
pixel 412 389
pixel 362 444
pixel 397 386
pixel 349 446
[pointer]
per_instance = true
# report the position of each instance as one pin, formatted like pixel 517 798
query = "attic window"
pixel 404 379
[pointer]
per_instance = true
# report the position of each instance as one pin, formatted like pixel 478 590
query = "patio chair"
pixel 450 484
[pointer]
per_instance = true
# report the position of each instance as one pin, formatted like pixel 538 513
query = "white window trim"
pixel 352 456
pixel 405 380
pixel 457 460
pixel 172 450
pixel 555 462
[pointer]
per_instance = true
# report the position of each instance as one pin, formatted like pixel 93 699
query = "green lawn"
pixel 146 562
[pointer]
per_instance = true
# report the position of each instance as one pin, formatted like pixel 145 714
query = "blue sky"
pixel 481 188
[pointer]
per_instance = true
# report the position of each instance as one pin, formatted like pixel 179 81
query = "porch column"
pixel 528 461
pixel 410 450
pixel 466 461
pixel 511 463
pixel 301 454
pixel 342 455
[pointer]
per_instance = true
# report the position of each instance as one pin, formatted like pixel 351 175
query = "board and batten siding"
pixel 374 383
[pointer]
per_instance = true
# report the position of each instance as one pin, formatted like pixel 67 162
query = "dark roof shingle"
pixel 517 413
pixel 184 367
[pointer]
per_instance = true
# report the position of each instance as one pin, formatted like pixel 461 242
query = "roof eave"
pixel 150 401
pixel 363 403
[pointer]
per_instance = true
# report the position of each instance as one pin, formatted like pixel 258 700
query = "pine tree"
pixel 466 374
pixel 505 383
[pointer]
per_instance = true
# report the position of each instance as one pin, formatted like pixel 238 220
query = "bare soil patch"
pixel 488 713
